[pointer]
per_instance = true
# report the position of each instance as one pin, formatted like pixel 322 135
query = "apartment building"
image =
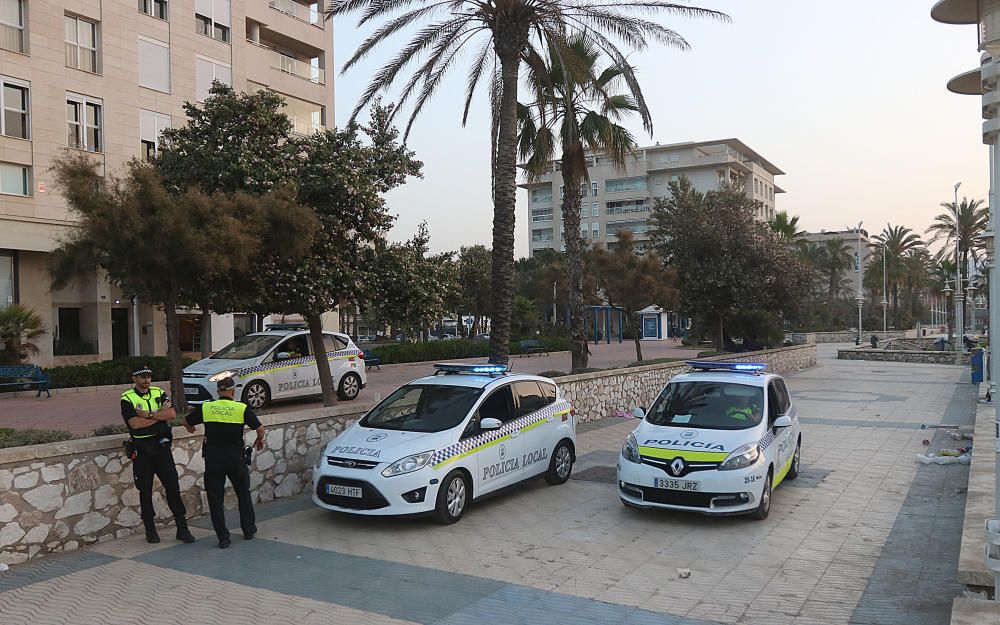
pixel 106 77
pixel 860 249
pixel 617 199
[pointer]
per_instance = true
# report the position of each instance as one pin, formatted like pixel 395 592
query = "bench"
pixel 371 360
pixel 25 375
pixel 533 347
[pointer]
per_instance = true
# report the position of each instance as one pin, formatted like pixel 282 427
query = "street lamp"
pixel 885 286
pixel 859 298
pixel 946 291
pixel 959 311
pixel 970 292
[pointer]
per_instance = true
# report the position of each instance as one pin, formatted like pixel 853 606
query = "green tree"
pixel 833 260
pixel 20 328
pixel 576 107
pixel 474 271
pixel 967 221
pixel 153 243
pixel 634 282
pixel 898 241
pixel 526 316
pixel 498 36
pixel 786 227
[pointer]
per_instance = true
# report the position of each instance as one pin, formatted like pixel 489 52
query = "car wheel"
pixel 796 459
pixel 350 386
pixel 256 395
pixel 764 508
pixel 452 498
pixel 561 464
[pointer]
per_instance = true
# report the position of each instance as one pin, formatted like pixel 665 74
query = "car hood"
pixel 384 445
pixel 211 366
pixel 694 439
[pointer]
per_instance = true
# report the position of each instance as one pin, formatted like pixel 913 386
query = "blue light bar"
pixel 458 368
pixel 726 366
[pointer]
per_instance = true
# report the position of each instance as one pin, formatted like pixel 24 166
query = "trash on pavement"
pixel 960 436
pixel 3 567
pixel 931 459
pixel 683 573
pixel 955 452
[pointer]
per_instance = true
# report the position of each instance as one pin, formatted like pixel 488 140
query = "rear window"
pixel 423 408
pixel 709 405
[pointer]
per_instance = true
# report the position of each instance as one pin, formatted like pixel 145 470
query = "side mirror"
pixel 490 424
pixel 784 421
pixel 282 356
pixel 639 413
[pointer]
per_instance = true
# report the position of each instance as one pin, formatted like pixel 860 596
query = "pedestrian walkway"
pixel 866 535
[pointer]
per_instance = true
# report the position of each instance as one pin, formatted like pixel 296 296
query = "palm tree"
pixel 500 35
pixel 898 241
pixel 942 273
pixel 787 228
pixel 834 257
pixel 20 327
pixel 575 107
pixel 968 220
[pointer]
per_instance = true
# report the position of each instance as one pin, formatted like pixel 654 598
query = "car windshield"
pixel 250 346
pixel 423 408
pixel 710 405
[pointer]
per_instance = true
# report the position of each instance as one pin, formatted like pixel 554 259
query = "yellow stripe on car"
pixel 472 451
pixel 694 456
pixel 783 472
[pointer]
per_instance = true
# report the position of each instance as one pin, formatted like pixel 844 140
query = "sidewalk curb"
pixel 73 390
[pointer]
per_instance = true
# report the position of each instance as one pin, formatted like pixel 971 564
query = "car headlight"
pixel 741 458
pixel 631 449
pixel 222 375
pixel 408 464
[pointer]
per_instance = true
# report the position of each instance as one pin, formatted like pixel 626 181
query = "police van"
pixel 440 442
pixel 277 364
pixel 716 440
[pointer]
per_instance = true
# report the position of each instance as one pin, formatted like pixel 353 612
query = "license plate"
pixel 686 485
pixel 188 390
pixel 343 491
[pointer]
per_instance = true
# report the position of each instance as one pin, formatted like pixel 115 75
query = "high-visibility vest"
pixel 144 402
pixel 223 411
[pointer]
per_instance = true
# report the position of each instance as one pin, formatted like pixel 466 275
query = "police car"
pixel 277 364
pixel 440 442
pixel 716 440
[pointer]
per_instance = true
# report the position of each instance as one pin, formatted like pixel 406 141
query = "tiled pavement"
pixel 866 535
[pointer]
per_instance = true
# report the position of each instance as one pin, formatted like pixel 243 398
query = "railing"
pixel 298 11
pixel 298 68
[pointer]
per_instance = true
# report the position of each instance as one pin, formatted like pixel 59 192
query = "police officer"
pixel 224 420
pixel 146 410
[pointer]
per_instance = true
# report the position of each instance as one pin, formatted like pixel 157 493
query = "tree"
pixel 20 327
pixel 575 106
pixel 474 270
pixel 787 228
pixel 729 265
pixel 833 259
pixel 154 244
pixel 898 241
pixel 634 282
pixel 508 33
pixel 525 315
pixel 968 220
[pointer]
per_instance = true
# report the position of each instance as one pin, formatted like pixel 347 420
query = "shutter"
pixel 147 125
pixel 203 7
pixel 154 65
pixel 203 71
pixel 224 74
pixel 221 10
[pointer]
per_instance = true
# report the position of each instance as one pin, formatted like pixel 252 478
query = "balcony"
pixel 297 67
pixel 309 14
pixel 305 127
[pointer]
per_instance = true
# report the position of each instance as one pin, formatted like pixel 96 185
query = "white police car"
pixel 716 440
pixel 440 442
pixel 276 364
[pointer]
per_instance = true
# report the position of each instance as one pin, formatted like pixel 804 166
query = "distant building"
pixel 622 199
pixel 850 238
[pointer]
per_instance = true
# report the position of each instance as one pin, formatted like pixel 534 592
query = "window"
pixel 207 70
pixel 151 126
pixel 625 184
pixel 562 192
pixel 708 405
pixel 8 277
pixel 584 230
pixel 784 401
pixel 541 196
pixel 155 8
pixel 675 178
pixel 597 232
pixel 154 64
pixel 541 236
pixel 620 207
pixel 529 398
pixel 636 226
pixel 541 214
pixel 593 189
pixel 296 347
pixel 212 18
pixel 84 125
pixel 584 211
pixel 13 180
pixel 14 105
pixel 499 405
pixel 12 27
pixel 593 208
pixel 333 343
pixel 426 408
pixel 81 44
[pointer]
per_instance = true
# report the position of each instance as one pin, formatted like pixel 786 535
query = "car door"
pixel 293 375
pixel 783 447
pixel 531 399
pixel 338 366
pixel 500 460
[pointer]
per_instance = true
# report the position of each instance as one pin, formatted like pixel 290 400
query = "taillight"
pixel 361 355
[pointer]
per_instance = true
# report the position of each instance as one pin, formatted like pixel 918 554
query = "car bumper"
pixel 719 492
pixel 381 496
pixel 199 390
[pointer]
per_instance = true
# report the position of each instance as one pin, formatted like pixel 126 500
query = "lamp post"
pixel 970 293
pixel 885 286
pixel 946 291
pixel 857 268
pixel 959 311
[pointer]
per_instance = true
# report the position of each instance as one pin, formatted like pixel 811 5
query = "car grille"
pixel 664 465
pixel 351 463
pixel 371 498
pixel 683 498
pixel 188 374
pixel 201 395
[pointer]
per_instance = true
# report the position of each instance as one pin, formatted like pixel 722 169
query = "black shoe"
pixel 249 536
pixel 224 543
pixel 183 533
pixel 152 537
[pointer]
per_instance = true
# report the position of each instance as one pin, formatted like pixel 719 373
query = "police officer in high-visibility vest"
pixel 224 420
pixel 146 410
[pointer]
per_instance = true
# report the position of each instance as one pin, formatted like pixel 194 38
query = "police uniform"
pixel 224 420
pixel 152 456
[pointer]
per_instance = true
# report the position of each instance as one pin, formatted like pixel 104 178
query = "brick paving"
pixel 865 535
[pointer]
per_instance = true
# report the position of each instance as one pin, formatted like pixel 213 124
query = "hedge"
pixel 10 437
pixel 452 350
pixel 117 371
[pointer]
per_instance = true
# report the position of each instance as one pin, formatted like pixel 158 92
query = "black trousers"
pixel 155 459
pixel 220 463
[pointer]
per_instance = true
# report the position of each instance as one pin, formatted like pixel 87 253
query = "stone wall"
pixel 887 355
pixel 847 336
pixel 58 496
pixel 603 393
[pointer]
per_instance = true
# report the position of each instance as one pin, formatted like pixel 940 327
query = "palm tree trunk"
pixel 174 353
pixel 206 330
pixel 508 42
pixel 571 224
pixel 322 364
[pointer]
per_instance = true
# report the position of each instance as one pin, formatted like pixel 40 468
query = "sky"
pixel 850 102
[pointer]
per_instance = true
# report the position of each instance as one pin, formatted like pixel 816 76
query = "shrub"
pixel 117 371
pixel 10 437
pixel 552 374
pixel 711 353
pixel 113 428
pixel 452 350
